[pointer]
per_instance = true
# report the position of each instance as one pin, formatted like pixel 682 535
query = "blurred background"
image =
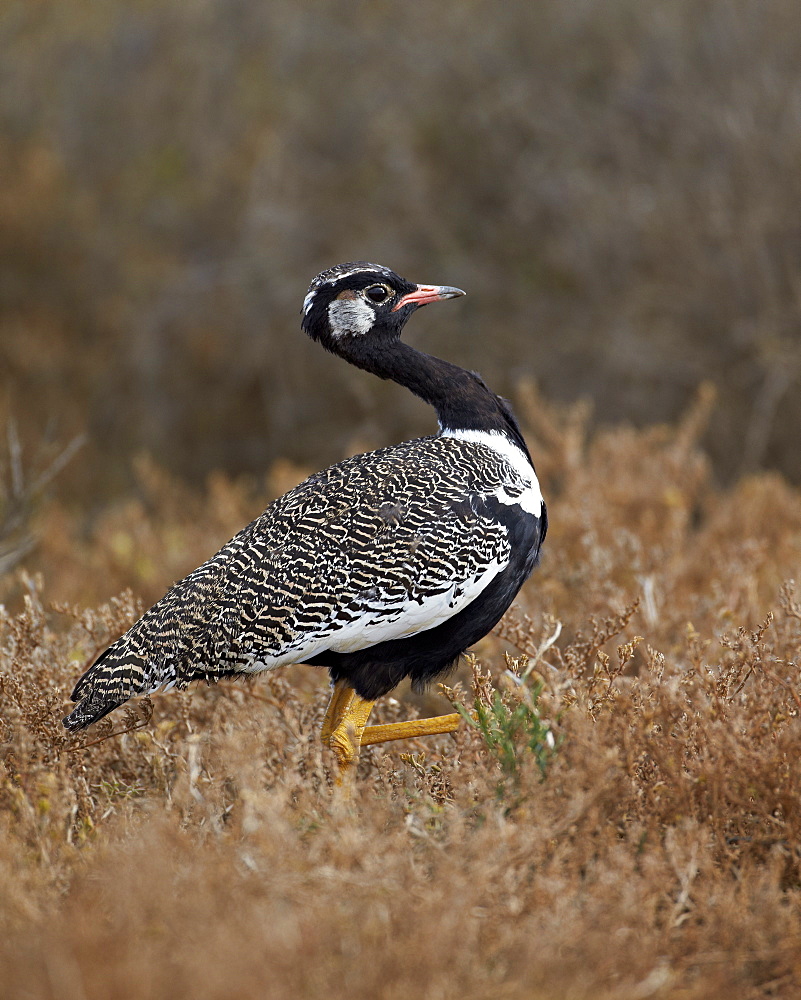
pixel 617 186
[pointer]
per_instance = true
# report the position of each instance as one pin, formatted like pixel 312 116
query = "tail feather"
pixel 90 710
pixel 107 684
pixel 171 645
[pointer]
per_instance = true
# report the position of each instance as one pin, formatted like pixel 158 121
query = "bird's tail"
pixel 107 684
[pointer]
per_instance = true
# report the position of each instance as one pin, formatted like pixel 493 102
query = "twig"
pixel 787 687
pixel 293 730
pixel 120 732
pixel 543 648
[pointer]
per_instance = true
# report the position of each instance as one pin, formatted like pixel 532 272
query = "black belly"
pixel 376 670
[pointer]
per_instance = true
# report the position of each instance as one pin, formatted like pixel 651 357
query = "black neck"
pixel 461 399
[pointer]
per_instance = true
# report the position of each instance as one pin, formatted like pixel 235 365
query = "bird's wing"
pixel 380 562
pixel 377 547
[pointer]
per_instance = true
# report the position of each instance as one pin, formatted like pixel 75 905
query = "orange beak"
pixel 424 294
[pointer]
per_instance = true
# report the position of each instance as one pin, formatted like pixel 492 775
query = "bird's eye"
pixel 377 293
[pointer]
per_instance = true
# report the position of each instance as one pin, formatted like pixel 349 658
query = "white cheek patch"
pixel 350 316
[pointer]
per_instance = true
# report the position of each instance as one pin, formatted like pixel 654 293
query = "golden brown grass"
pixel 203 853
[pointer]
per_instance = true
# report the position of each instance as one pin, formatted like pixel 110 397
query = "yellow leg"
pixel 343 725
pixel 407 730
pixel 336 708
pixel 345 728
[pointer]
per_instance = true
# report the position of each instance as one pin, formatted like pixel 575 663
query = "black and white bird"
pixel 384 566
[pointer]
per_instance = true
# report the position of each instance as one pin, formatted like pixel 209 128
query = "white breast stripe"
pixel 530 499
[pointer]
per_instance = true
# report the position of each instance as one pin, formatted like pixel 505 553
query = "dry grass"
pixel 202 854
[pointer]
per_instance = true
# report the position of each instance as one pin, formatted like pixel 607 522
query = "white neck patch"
pixel 531 498
pixel 350 316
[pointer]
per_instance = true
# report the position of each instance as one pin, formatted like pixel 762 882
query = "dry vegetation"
pixel 631 828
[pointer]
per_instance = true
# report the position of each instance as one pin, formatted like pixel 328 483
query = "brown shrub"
pixel 202 853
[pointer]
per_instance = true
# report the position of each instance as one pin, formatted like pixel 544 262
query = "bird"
pixel 387 565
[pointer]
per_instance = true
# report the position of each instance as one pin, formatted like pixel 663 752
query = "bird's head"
pixel 359 300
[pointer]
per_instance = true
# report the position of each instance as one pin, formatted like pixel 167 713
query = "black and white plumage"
pixel 384 566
